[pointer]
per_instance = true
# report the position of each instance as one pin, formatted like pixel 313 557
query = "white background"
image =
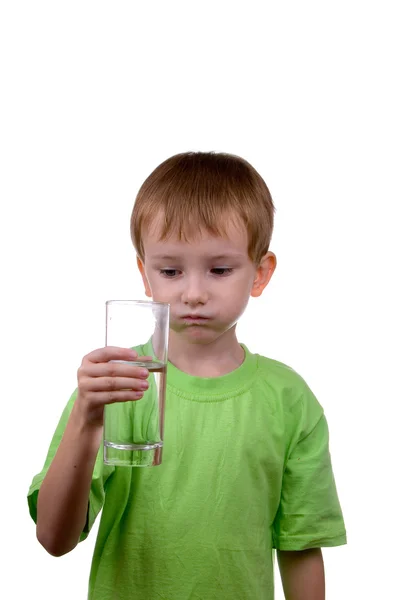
pixel 94 96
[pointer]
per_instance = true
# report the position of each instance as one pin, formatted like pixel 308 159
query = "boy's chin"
pixel 195 332
pixel 191 331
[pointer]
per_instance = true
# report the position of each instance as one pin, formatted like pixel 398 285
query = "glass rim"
pixel 137 302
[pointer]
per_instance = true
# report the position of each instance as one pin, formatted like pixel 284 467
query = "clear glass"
pixel 134 431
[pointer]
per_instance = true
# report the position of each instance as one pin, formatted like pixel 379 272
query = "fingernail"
pixel 144 373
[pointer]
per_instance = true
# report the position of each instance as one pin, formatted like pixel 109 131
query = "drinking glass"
pixel 134 430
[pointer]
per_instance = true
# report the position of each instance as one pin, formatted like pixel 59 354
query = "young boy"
pixel 246 463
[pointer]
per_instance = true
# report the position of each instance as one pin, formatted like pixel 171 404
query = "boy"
pixel 246 464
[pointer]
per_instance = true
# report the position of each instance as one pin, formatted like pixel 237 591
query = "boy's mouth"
pixel 194 318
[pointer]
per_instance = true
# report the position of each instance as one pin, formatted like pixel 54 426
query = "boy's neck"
pixel 206 360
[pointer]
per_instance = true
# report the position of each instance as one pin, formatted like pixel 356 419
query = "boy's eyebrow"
pixel 218 257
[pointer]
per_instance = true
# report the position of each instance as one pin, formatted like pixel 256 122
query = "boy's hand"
pixel 102 382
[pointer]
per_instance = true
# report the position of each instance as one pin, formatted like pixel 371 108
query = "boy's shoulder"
pixel 284 383
pixel 279 373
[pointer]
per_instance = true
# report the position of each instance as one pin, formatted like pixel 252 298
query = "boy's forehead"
pixel 233 241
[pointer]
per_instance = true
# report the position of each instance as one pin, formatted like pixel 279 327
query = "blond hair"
pixel 196 191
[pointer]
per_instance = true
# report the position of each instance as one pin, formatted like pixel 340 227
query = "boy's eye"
pixel 219 271
pixel 222 271
pixel 169 272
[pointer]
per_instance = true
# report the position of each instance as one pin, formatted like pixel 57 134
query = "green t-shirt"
pixel 246 468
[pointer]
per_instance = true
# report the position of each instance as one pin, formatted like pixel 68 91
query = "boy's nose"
pixel 194 293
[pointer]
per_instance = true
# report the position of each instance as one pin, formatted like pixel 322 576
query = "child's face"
pixel 210 277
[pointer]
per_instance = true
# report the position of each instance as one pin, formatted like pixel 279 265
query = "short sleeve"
pixel 101 473
pixel 309 514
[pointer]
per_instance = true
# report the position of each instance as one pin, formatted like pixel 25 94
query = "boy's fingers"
pixel 115 353
pixel 128 367
pixel 108 353
pixel 111 384
pixel 113 369
pixel 118 396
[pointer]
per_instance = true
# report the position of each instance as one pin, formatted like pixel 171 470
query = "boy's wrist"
pixel 85 429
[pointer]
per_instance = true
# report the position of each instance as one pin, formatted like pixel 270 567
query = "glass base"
pixel 132 455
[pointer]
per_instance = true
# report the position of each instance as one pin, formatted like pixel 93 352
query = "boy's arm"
pixel 63 497
pixel 64 494
pixel 302 574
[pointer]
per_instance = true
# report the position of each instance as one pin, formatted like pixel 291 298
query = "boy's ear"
pixel 147 289
pixel 264 272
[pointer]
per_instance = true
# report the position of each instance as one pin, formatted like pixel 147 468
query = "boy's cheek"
pixel 147 287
